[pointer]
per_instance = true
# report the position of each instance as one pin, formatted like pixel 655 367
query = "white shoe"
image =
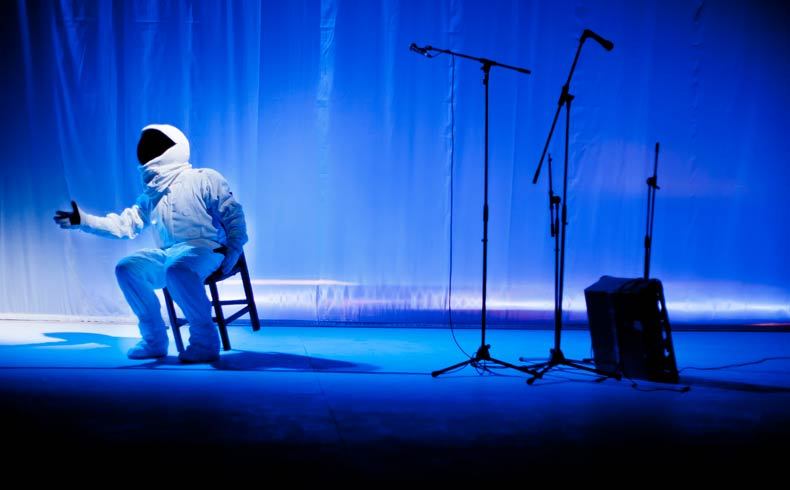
pixel 194 355
pixel 144 350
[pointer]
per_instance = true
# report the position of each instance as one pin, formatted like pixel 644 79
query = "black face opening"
pixel 152 144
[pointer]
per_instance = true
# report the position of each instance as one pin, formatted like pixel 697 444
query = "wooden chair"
pixel 219 315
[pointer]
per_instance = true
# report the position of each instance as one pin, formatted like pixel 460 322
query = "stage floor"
pixel 322 404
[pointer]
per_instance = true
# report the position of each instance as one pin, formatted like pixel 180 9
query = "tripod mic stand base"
pixel 557 358
pixel 483 354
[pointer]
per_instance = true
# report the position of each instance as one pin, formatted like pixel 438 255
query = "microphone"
pixel 419 50
pixel 607 45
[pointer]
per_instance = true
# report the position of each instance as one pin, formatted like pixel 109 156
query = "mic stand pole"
pixel 652 187
pixel 483 352
pixel 556 357
pixel 554 217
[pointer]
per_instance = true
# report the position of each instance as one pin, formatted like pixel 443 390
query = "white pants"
pixel 181 268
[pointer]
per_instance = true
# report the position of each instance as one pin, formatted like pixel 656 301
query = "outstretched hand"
pixel 68 219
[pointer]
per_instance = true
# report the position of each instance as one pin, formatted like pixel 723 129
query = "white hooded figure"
pixel 198 227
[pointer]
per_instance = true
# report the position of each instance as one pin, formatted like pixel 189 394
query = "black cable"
pixel 741 364
pixel 493 368
pixel 586 374
pixel 458 369
pixel 634 384
pixel 452 172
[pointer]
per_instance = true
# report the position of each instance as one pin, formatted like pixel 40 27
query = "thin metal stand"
pixel 483 352
pixel 652 187
pixel 558 228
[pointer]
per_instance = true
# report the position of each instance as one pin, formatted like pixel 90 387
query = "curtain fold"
pixel 360 164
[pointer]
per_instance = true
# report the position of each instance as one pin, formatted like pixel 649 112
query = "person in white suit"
pixel 198 228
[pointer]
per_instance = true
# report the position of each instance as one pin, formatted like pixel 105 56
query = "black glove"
pixel 231 258
pixel 66 219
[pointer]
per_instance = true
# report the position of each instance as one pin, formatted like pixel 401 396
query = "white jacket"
pixel 193 205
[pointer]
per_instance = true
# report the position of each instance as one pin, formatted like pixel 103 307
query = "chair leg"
pixel 247 284
pixel 223 328
pixel 174 323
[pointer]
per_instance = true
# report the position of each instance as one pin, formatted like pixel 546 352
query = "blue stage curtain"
pixel 344 146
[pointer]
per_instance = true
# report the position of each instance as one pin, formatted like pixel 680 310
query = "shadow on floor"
pixel 263 361
pixel 233 361
pixel 254 361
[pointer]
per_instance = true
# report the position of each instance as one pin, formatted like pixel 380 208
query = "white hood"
pixel 160 172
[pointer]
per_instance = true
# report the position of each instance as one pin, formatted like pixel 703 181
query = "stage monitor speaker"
pixel 629 327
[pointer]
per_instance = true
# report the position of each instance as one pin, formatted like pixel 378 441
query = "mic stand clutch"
pixel 559 223
pixel 483 352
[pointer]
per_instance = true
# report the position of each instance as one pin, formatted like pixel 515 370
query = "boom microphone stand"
pixel 483 352
pixel 556 357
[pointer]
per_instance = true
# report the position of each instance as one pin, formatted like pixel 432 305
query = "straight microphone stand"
pixel 559 225
pixel 652 187
pixel 483 352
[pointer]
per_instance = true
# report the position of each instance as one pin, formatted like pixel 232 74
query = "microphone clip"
pixel 425 51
